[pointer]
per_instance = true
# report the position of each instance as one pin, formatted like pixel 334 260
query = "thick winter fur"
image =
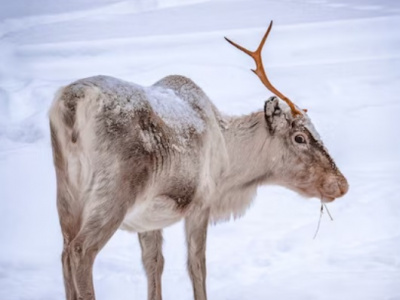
pixel 143 158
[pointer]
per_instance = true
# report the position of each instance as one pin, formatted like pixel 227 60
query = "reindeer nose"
pixel 335 187
pixel 343 185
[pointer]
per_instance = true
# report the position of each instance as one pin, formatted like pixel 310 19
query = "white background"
pixel 338 58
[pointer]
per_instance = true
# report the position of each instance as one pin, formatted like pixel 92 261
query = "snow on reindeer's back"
pixel 124 98
pixel 176 112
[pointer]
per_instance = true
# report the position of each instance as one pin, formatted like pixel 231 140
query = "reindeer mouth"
pixel 324 197
pixel 327 199
pixel 314 193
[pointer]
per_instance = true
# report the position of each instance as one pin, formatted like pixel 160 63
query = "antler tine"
pixel 260 72
pixel 259 49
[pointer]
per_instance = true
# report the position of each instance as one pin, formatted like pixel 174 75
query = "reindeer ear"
pixel 276 116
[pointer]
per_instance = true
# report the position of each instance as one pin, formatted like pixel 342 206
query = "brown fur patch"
pixel 316 144
pixel 181 192
pixel 70 96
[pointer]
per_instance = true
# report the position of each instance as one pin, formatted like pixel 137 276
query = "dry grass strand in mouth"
pixel 320 217
pixel 327 210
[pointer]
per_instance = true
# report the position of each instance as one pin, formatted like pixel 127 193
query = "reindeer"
pixel 143 158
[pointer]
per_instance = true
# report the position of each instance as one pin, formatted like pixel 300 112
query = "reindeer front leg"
pixel 196 235
pixel 153 261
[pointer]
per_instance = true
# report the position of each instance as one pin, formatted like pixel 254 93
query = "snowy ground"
pixel 340 59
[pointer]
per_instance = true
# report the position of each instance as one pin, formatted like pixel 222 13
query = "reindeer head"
pixel 305 164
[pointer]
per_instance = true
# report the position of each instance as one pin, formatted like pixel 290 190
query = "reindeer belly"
pixel 152 214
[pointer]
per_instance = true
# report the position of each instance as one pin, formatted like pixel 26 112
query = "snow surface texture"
pixel 340 59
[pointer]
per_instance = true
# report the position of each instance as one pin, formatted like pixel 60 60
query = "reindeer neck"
pixel 249 148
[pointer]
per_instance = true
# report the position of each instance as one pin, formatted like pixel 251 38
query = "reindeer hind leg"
pixel 70 224
pixel 102 216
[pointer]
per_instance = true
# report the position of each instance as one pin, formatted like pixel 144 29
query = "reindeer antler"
pixel 260 72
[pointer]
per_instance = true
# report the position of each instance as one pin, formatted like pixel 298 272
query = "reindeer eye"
pixel 300 139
